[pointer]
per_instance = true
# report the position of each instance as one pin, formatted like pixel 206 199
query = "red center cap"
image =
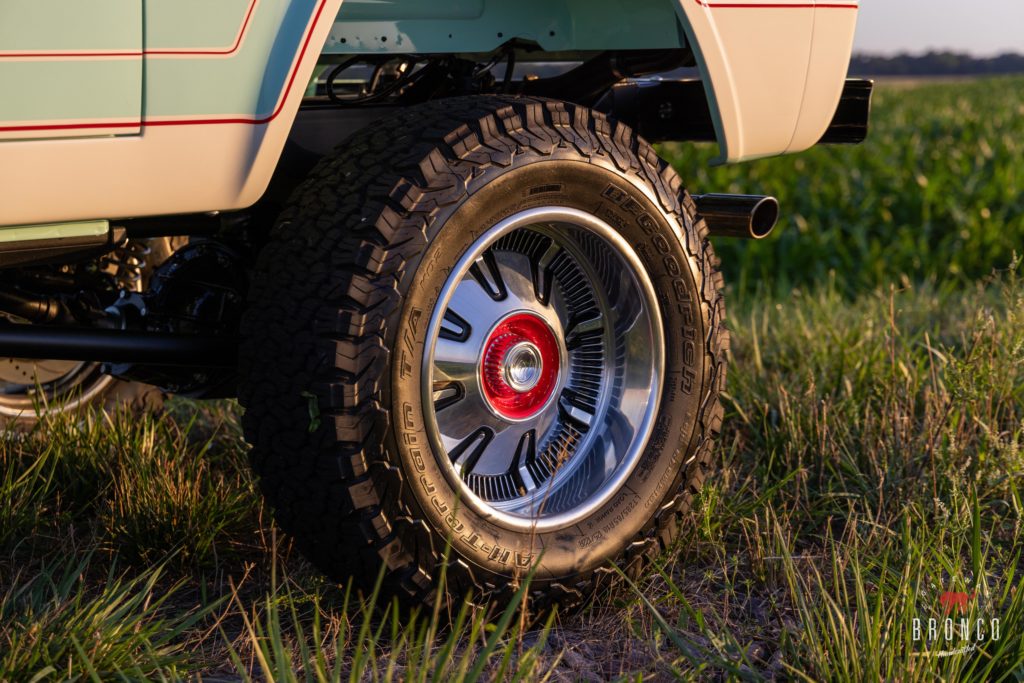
pixel 519 367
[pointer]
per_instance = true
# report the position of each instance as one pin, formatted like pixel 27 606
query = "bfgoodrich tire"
pixel 493 321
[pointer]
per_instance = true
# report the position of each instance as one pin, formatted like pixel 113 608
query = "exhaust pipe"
pixel 738 215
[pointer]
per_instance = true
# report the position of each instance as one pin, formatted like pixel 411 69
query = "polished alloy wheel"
pixel 543 368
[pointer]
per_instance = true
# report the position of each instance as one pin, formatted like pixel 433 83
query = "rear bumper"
pixel 850 124
pixel 677 110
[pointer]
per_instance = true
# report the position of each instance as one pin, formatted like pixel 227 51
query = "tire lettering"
pixel 409 341
pixel 646 222
pixel 544 189
pixel 587 541
pixel 689 378
pixel 614 194
pixel 680 289
pixel 617 519
pixel 672 266
pixel 667 477
pixel 499 555
pixel 611 217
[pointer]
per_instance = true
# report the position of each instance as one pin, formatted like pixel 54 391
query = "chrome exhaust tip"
pixel 751 216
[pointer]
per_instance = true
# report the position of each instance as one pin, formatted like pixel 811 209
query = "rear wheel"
pixel 492 322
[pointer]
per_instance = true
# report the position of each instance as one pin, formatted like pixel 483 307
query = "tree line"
pixel 935 63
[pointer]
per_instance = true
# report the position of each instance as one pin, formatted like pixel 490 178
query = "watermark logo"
pixel 949 600
pixel 960 630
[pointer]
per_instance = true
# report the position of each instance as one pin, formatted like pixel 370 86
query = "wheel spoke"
pixel 455 327
pixel 516 269
pixel 466 417
pixel 542 280
pixel 574 411
pixel 625 312
pixel 447 394
pixel 526 451
pixel 583 330
pixel 467 453
pixel 488 275
pixel 475 305
pixel 454 361
pixel 503 450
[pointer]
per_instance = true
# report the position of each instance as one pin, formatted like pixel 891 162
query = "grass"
pixel 872 459
pixel 60 627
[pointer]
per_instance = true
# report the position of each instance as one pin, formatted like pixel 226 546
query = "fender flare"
pixel 773 71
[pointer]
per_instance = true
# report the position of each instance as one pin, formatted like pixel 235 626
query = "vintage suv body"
pixel 421 241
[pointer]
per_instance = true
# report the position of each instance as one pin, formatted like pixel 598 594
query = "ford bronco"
pixel 473 319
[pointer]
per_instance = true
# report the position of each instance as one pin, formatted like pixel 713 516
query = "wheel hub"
pixel 519 366
pixel 523 366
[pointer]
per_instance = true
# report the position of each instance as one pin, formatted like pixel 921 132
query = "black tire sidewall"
pixel 631 207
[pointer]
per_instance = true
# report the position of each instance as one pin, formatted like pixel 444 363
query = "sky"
pixel 980 27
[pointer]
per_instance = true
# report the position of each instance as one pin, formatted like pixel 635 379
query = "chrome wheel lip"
pixel 534 218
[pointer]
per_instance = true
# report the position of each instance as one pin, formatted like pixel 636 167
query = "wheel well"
pixel 657 92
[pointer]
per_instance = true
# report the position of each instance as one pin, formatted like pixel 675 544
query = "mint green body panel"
pixel 194 24
pixel 229 73
pixel 48 90
pixel 56 231
pixel 482 25
pixel 248 82
pixel 69 25
pixel 53 89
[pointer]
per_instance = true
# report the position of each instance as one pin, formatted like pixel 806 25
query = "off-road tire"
pixel 329 345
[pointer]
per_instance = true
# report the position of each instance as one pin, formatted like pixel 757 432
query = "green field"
pixel 936 191
pixel 872 459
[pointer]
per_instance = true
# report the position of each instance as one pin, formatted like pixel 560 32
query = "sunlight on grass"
pixel 873 463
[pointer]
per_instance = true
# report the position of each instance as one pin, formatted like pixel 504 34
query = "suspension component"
pixel 90 344
pixel 193 305
pixel 177 333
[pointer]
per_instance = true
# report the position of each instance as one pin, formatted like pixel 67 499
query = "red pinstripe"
pixel 194 122
pixel 769 5
pixel 139 53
